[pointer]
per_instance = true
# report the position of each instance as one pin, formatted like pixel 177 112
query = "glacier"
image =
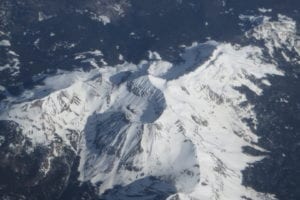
pixel 183 123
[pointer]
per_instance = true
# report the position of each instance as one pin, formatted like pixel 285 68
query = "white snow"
pixel 264 10
pixel 5 43
pixel 180 122
pixel 102 18
pixel 281 34
pixel 2 88
pixel 2 140
pixel 190 127
pixel 42 16
pixel 13 65
pixel 121 57
pixel 36 43
pixel 159 68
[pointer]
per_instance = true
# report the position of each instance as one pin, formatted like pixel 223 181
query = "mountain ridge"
pixel 180 123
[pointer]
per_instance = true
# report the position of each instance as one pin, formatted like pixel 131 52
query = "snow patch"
pixel 264 10
pixel 5 43
pixel 102 18
pixel 278 35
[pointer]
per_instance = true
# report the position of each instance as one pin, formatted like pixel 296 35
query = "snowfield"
pixel 182 123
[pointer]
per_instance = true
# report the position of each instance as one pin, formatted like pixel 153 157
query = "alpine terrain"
pixel 103 100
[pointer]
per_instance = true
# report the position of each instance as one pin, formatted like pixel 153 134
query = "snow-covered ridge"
pixel 182 123
pixel 12 65
pixel 279 35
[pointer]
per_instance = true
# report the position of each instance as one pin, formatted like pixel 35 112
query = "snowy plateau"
pixel 181 123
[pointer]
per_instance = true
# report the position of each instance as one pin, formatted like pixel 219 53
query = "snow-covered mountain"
pixel 175 127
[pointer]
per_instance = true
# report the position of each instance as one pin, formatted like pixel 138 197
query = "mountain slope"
pixel 177 126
